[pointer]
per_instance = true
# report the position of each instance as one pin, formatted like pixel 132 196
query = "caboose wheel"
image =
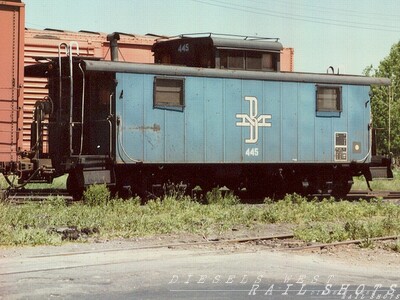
pixel 341 188
pixel 139 188
pixel 75 185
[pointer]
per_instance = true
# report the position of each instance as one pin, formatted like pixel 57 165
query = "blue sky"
pixel 346 34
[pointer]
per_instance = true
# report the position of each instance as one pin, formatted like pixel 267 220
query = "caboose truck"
pixel 212 111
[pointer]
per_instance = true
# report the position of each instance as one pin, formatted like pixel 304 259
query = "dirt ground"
pixel 378 255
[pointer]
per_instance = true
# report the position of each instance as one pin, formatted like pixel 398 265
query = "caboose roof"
pixel 221 43
pixel 125 67
pixel 262 44
pixel 90 65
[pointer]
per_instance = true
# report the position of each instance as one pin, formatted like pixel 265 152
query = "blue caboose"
pixel 212 112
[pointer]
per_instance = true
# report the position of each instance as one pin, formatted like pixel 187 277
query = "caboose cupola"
pixel 220 52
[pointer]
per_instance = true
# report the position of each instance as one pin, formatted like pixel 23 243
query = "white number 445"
pixel 252 152
pixel 183 48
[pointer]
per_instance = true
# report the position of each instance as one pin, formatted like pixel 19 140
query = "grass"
pixel 103 217
pixel 379 185
pixel 394 246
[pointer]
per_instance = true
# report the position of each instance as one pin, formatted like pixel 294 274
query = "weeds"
pixel 96 195
pixel 377 185
pixel 366 243
pixel 395 246
pixel 320 232
pixel 221 197
pixel 103 217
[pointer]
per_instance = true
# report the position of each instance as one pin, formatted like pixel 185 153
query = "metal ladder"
pixel 69 53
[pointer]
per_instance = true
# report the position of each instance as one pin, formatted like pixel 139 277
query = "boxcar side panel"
pixel 12 21
pixel 306 122
pixel 214 101
pixel 155 126
pixel 129 98
pixel 289 119
pixel 358 120
pixel 272 141
pixel 174 134
pixel 233 92
pixel 323 139
pixel 195 122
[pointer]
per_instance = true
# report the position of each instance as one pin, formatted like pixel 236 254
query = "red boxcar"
pixel 12 20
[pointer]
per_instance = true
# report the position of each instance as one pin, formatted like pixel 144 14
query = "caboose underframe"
pixel 252 181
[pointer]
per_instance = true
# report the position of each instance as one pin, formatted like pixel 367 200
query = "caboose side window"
pixel 233 59
pixel 168 93
pixel 329 99
pixel 247 60
pixel 253 61
pixel 268 63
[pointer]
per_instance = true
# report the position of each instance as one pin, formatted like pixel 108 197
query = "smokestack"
pixel 113 38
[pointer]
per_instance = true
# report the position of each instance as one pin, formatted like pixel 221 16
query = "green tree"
pixel 381 106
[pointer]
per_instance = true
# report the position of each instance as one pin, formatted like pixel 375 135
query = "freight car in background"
pixel 12 15
pixel 214 111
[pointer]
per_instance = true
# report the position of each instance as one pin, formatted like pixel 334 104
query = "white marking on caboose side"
pixel 253 121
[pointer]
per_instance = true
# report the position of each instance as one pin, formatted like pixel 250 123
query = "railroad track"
pixel 289 242
pixel 391 196
pixel 286 242
pixel 22 196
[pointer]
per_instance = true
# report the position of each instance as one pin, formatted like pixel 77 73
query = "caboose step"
pixel 380 173
pixel 97 177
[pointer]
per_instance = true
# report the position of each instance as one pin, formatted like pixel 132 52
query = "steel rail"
pixel 222 241
pixel 173 245
pixel 349 242
pixel 22 196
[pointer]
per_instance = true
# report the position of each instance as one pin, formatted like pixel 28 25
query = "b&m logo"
pixel 253 120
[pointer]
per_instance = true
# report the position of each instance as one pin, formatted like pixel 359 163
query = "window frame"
pixel 169 105
pixel 249 58
pixel 230 56
pixel 252 58
pixel 338 101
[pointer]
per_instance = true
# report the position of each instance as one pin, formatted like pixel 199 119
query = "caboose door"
pixel 97 129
